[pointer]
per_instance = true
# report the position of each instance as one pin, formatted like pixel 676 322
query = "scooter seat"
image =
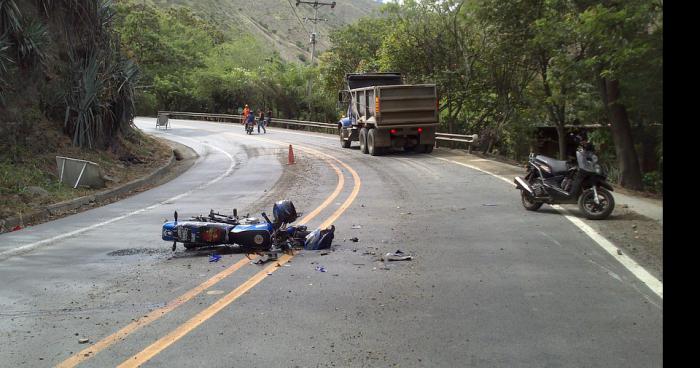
pixel 557 166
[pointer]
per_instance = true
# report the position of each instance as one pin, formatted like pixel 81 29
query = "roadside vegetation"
pixel 505 68
pixel 65 89
pixel 189 64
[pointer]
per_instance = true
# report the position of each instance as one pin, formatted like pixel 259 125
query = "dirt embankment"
pixel 29 177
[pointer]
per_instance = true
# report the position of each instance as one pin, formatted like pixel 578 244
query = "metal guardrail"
pixel 461 138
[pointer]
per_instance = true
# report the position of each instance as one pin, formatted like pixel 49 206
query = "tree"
pixel 617 35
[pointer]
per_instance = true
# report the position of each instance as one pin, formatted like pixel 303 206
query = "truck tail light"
pixel 376 104
pixel 393 131
pixel 420 130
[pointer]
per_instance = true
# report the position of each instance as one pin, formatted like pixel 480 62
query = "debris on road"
pixel 264 260
pixel 214 257
pixel 357 227
pixel 320 269
pixel 354 239
pixel 489 204
pixel 83 341
pixel 397 256
pixel 619 252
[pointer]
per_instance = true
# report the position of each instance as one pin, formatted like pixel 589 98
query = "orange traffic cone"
pixel 291 156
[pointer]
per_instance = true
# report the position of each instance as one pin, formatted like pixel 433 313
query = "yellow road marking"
pixel 185 328
pixel 167 340
pixel 92 350
pixel 152 316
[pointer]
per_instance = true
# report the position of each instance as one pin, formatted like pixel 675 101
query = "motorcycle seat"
pixel 557 166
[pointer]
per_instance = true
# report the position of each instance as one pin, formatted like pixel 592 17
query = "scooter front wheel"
pixel 593 210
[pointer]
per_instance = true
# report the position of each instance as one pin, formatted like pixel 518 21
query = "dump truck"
pixel 384 113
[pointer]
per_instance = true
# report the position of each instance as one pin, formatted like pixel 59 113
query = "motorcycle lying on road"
pixel 249 233
pixel 553 181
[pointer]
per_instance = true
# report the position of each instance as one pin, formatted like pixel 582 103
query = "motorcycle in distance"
pixel 249 128
pixel 553 181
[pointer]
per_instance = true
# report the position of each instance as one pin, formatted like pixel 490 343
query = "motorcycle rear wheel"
pixel 593 211
pixel 528 202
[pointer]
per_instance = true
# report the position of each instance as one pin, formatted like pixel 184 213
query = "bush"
pixel 653 182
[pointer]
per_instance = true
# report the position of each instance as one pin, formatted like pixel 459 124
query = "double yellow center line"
pixel 210 311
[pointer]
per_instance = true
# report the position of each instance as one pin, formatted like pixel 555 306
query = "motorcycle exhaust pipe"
pixel 521 184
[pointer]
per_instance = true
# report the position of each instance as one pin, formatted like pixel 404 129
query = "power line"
pixel 297 16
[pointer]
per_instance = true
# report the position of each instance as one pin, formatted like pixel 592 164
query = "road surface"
pixel 489 285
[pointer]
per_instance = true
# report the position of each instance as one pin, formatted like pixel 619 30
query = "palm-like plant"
pixel 10 17
pixel 100 93
pixel 30 42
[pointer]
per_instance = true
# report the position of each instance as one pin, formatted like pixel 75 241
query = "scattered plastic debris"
pixel 489 204
pixel 354 239
pixel 321 269
pixel 83 341
pixel 214 257
pixel 263 260
pixel 357 226
pixel 397 256
pixel 320 238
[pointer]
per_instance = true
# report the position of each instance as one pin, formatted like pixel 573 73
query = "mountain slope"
pixel 278 24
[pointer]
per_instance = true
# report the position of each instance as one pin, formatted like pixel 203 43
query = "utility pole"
pixel 316 5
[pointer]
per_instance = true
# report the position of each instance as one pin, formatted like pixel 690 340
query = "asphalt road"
pixel 490 284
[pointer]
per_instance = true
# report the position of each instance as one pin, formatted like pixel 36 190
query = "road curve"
pixel 489 285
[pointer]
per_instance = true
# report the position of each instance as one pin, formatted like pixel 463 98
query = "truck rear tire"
pixel 363 140
pixel 371 149
pixel 419 148
pixel 343 142
pixel 428 148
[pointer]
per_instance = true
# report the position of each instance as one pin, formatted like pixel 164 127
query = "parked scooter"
pixel 553 181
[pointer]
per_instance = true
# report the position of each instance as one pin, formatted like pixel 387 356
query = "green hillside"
pixel 277 24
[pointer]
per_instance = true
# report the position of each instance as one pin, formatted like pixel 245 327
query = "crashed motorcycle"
pixel 249 234
pixel 554 181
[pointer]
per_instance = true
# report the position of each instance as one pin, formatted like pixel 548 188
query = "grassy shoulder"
pixel 29 177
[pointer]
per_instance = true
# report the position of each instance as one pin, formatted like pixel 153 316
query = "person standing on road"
pixel 261 122
pixel 246 112
pixel 268 117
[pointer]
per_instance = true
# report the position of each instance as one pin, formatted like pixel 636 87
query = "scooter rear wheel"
pixel 528 202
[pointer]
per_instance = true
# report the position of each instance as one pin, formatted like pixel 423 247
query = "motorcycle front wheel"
pixel 599 211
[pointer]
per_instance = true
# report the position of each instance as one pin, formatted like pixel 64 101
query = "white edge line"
pixel 31 246
pixel 643 275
